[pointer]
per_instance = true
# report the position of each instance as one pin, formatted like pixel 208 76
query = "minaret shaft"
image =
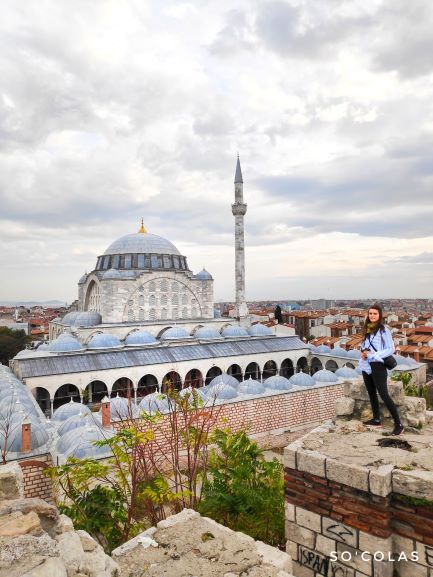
pixel 239 209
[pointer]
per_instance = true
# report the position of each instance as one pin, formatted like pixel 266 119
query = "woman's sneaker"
pixel 373 423
pixel 398 430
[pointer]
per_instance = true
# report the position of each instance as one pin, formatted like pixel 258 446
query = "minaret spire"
pixel 239 209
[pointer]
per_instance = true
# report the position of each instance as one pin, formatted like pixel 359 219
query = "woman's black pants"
pixel 377 382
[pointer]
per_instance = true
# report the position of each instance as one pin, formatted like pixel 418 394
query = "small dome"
pixel 225 379
pixel 111 274
pixel 83 278
pixel 174 333
pixel 323 349
pixel 353 354
pixel 405 360
pixel 251 387
pixel 339 352
pixel 325 376
pixel 140 338
pixel 39 435
pixel 103 341
pixel 206 333
pixel 190 392
pixel 121 408
pixel 88 319
pixel 68 410
pixel 278 383
pixel 82 419
pixel 220 391
pixel 302 380
pixel 69 318
pixel 64 345
pixel 203 275
pixel 346 373
pixel 80 443
pixel 43 347
pixel 259 330
pixel 154 403
pixel 234 331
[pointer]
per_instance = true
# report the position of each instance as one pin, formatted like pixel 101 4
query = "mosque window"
pixel 140 261
pixel 152 285
pixel 174 286
pixel 141 301
pixel 194 313
pixel 164 284
pixel 134 261
pixel 164 299
pixel 99 263
pixel 128 261
pixel 175 300
pixel 141 288
pixel 184 299
pixel 152 300
pixel 130 315
pixel 122 262
pixel 176 261
pixel 159 257
pixel 184 313
pixel 116 261
pixel 154 261
pixel 167 261
pixel 175 313
pixel 141 315
pixel 152 314
pixel 106 262
pixel 164 313
pixel 147 261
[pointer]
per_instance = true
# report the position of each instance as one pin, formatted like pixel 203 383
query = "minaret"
pixel 239 208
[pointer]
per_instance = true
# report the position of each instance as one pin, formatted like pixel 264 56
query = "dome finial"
pixel 142 229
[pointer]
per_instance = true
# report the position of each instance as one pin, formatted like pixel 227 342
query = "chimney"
pixel 416 355
pixel 105 406
pixel 26 437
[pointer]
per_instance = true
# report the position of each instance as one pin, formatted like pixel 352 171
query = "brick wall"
pixel 36 484
pixel 378 516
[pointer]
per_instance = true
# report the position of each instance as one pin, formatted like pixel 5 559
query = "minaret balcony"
pixel 239 209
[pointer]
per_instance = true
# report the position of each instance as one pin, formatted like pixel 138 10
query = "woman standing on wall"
pixel 376 346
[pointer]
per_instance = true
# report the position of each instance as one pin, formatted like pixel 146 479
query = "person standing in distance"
pixel 376 346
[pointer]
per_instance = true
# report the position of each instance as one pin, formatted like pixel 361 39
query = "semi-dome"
pixel 154 403
pixel 206 333
pixel 140 242
pixel 83 279
pixel 277 383
pixel 226 379
pixel 234 331
pixel 325 376
pixel 174 333
pixel 87 319
pixel 353 354
pixel 346 373
pixel 251 387
pixel 103 341
pixel 64 345
pixel 138 338
pixel 203 275
pixel 259 330
pixel 302 380
pixel 69 318
pixel 68 410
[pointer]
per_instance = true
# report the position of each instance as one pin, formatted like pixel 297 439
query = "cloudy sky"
pixel 114 110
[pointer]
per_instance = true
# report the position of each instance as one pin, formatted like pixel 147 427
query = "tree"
pixel 11 343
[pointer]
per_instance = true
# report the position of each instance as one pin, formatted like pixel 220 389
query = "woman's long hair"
pixel 380 324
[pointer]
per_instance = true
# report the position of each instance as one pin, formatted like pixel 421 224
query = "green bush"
pixel 244 491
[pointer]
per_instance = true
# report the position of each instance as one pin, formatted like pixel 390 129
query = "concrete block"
pixel 410 569
pixel 311 462
pixel 425 554
pixel 418 484
pixel 292 549
pixel 347 474
pixel 289 511
pixel 300 535
pixel 339 532
pixel 381 480
pixel 352 557
pixel 325 545
pixel 371 543
pixel 308 519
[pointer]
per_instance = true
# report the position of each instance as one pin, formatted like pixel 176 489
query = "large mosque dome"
pixel 142 242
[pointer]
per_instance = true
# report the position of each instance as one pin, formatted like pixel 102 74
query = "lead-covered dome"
pixel 140 242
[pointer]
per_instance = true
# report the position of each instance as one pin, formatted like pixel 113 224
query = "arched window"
pixel 175 313
pixel 141 315
pixel 194 313
pixel 152 286
pixel 130 315
pixel 152 314
pixel 163 314
pixel 175 300
pixel 164 299
pixel 152 300
pixel 184 299
pixel 141 301
pixel 174 286
pixel 164 284
pixel 184 313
